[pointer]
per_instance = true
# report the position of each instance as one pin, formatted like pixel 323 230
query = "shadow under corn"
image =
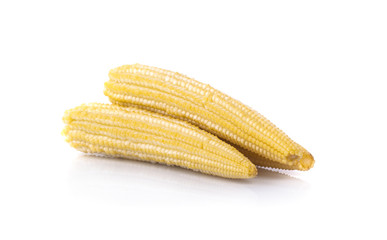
pixel 125 181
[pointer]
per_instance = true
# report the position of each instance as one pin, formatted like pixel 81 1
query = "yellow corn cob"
pixel 142 135
pixel 181 97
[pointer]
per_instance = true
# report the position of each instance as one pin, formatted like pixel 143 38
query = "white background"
pixel 317 69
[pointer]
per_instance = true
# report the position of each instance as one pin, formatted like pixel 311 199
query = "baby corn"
pixel 173 94
pixel 138 134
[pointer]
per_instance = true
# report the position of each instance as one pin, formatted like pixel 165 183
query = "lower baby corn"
pixel 173 94
pixel 147 136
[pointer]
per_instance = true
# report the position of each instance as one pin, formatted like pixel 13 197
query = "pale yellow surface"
pixel 138 134
pixel 179 96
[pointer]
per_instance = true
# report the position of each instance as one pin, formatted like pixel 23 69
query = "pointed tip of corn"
pixel 247 169
pixel 307 161
pixel 252 171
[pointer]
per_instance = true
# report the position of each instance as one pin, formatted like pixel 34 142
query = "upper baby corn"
pixel 139 134
pixel 179 96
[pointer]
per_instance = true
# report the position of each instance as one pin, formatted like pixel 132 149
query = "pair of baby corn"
pixel 163 116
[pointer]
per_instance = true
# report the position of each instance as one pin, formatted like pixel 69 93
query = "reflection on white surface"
pixel 127 181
